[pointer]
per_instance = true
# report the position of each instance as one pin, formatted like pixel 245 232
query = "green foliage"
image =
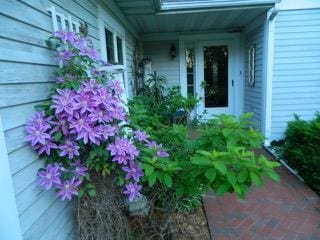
pixel 302 148
pixel 219 158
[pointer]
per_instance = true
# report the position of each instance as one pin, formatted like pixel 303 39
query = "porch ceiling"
pixel 148 17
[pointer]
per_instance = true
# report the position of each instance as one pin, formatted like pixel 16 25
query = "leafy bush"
pixel 302 148
pixel 219 158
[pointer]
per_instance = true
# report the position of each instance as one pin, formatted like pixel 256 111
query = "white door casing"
pixel 230 108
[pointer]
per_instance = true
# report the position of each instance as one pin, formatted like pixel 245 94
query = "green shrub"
pixel 219 158
pixel 302 149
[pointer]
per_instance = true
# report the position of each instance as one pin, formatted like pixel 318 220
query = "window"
pixel 120 51
pixel 190 70
pixel 109 46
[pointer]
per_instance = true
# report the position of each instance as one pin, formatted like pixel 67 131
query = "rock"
pixel 139 206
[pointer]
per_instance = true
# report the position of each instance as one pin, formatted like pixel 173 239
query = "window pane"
pixel 120 53
pixel 190 74
pixel 109 45
pixel 216 76
pixel 190 90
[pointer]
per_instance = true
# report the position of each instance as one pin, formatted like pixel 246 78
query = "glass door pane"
pixel 215 59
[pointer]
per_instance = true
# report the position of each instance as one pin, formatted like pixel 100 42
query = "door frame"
pixel 238 39
pixel 231 74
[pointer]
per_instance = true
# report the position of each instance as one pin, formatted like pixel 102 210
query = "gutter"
pixel 208 6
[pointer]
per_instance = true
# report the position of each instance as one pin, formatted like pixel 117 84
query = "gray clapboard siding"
pixel 158 52
pixel 296 81
pixel 27 69
pixel 253 95
pixel 26 73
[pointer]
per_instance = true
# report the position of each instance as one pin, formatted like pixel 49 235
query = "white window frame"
pixel 117 30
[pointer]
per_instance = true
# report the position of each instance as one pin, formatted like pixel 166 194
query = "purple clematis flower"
pixel 49 176
pixel 151 144
pixel 89 52
pixel 140 135
pixel 39 119
pixel 37 134
pixel 132 190
pixel 115 85
pixel 84 102
pixel 162 154
pixel 65 55
pixel 100 115
pixel 107 131
pixel 61 124
pixel 121 159
pixel 118 147
pixel 49 144
pixel 90 86
pixel 59 79
pixel 103 97
pixel 91 134
pixel 80 169
pixel 64 101
pixel 80 122
pixel 68 189
pixel 65 36
pixel 69 148
pixel 133 172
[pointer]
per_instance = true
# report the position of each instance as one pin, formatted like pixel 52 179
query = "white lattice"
pixel 61 22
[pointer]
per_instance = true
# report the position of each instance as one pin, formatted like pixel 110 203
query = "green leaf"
pixel 167 180
pixel 201 161
pixel 152 179
pixel 242 176
pixel 180 192
pixel 232 178
pixel 223 188
pixel 148 170
pixel 220 166
pixel 92 192
pixel 57 136
pixel 273 175
pixel 211 174
pixel 256 179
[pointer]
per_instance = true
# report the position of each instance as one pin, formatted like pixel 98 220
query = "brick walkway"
pixel 288 210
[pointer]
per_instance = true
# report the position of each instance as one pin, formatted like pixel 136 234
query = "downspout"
pixel 269 61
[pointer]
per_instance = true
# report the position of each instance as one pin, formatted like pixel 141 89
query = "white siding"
pixel 159 53
pixel 253 101
pixel 296 75
pixel 27 69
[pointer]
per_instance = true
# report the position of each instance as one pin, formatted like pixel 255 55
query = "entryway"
pixel 215 77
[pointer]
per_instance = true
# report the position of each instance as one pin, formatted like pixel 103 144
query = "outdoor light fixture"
pixel 173 51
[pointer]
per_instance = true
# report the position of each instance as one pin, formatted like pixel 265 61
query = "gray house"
pixel 260 56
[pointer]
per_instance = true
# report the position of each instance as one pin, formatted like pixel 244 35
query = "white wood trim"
pixel 238 88
pixel 9 218
pixel 182 69
pixel 230 109
pixel 268 74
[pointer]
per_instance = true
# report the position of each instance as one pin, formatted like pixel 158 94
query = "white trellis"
pixel 61 22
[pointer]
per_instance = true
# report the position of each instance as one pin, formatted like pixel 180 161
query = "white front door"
pixel 215 77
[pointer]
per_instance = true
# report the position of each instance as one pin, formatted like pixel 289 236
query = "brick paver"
pixel 288 210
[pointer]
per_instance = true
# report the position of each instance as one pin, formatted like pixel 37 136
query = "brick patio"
pixel 288 210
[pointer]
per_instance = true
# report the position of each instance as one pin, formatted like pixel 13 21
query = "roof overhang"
pixel 183 6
